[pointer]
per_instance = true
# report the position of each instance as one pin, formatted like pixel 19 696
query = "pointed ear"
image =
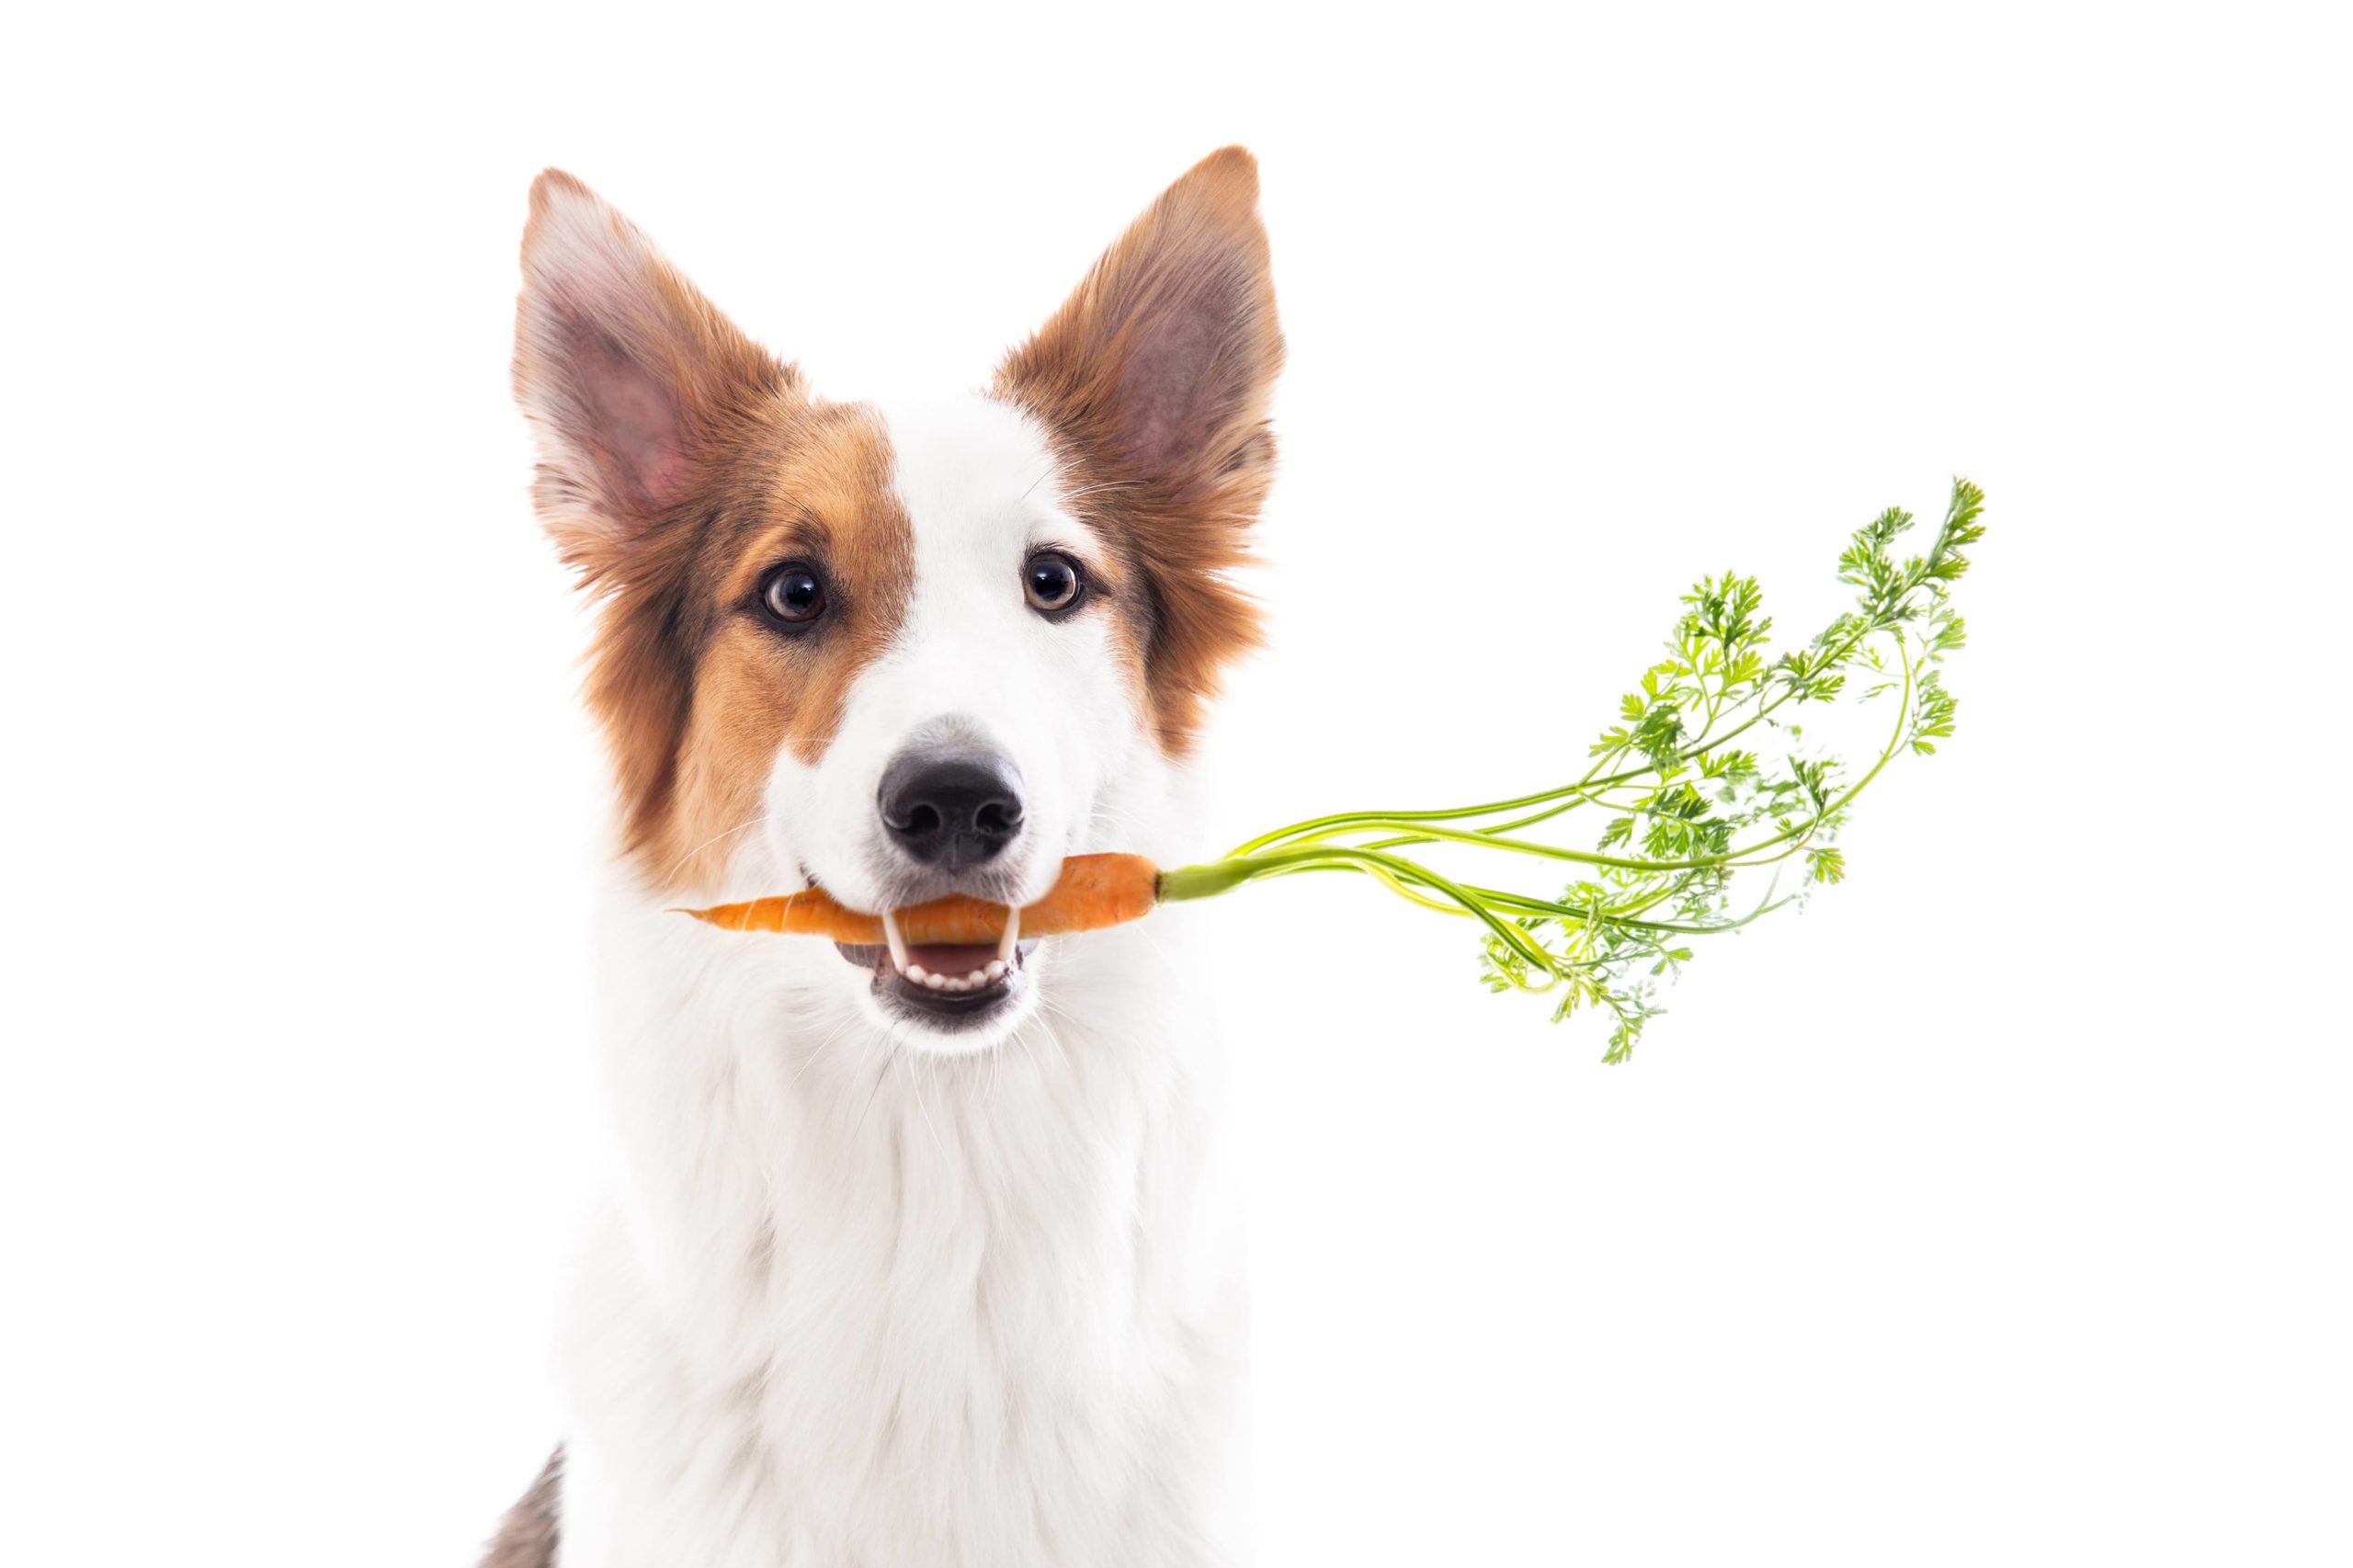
pixel 628 375
pixel 1163 359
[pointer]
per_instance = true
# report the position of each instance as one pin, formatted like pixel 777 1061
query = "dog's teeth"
pixel 1004 944
pixel 978 977
pixel 915 972
pixel 936 982
pixel 995 970
pixel 898 943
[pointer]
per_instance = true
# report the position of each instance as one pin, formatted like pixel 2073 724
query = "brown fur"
pixel 819 491
pixel 680 463
pixel 1154 379
pixel 528 1535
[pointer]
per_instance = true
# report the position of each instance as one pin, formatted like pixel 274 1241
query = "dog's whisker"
pixel 889 1055
pixel 923 1072
pixel 753 821
pixel 849 1021
pixel 1099 489
pixel 1043 475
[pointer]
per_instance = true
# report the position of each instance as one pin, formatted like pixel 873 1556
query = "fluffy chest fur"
pixel 850 1304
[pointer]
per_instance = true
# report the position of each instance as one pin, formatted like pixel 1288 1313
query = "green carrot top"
pixel 1698 779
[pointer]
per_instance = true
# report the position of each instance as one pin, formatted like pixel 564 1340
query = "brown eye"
pixel 1051 581
pixel 792 595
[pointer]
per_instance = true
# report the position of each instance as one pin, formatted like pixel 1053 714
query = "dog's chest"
pixel 890 1310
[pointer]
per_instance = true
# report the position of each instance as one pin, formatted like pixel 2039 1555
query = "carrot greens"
pixel 1705 774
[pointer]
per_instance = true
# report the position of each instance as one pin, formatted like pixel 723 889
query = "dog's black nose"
pixel 952 811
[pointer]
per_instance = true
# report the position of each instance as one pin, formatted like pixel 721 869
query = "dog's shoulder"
pixel 527 1536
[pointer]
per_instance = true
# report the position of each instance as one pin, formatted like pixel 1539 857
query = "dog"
pixel 922 1258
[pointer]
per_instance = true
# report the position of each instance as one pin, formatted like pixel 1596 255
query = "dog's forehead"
pixel 970 472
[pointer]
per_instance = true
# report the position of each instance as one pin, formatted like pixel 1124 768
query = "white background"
pixel 1994 1211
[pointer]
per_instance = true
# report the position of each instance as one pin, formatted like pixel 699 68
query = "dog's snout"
pixel 952 811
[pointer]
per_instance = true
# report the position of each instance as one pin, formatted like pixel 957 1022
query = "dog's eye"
pixel 1052 582
pixel 793 595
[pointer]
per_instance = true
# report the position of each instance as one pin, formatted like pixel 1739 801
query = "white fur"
pixel 866 1294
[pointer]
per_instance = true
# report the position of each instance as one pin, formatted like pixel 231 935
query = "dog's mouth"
pixel 944 983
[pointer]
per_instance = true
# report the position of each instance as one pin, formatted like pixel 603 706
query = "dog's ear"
pixel 1165 358
pixel 629 378
pixel 1154 378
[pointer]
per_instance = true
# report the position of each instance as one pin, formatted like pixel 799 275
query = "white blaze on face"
pixel 973 661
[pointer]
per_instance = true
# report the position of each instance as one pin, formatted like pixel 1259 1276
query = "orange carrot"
pixel 1093 891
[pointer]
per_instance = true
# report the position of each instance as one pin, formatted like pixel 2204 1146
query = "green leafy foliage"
pixel 1685 808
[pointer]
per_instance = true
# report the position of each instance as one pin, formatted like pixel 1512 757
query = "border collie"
pixel 892 1272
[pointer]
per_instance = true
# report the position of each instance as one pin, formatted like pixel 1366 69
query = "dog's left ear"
pixel 1164 358
pixel 1155 376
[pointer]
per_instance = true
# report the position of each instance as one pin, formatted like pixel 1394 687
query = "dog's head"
pixel 902 652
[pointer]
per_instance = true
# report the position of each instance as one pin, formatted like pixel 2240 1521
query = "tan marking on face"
pixel 823 497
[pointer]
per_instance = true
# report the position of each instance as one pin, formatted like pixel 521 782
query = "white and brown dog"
pixel 899 1270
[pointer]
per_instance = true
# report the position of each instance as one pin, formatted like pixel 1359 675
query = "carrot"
pixel 1093 891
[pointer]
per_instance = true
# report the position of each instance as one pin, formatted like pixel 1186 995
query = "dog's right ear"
pixel 629 378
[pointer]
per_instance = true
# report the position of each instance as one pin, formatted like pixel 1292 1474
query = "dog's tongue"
pixel 951 959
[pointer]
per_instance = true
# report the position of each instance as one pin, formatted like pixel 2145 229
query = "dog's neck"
pixel 768 1134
